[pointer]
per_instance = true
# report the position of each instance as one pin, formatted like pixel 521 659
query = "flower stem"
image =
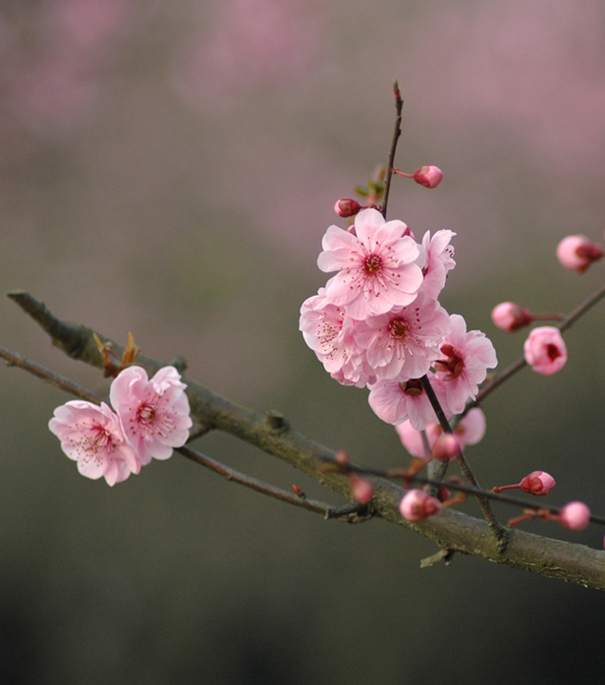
pixel 396 134
pixel 464 465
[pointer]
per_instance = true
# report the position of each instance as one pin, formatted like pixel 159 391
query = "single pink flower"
pixel 439 261
pixel 429 176
pixel 376 265
pixel 466 358
pixel 327 330
pixel 396 402
pixel 154 413
pixel 510 317
pixel 577 253
pixel 403 343
pixel 93 436
pixel 545 350
pixel 417 505
pixel 575 516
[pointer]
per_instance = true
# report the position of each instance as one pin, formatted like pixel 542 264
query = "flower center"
pixel 553 352
pixel 412 387
pixel 452 365
pixel 373 264
pixel 400 329
pixel 146 415
pixel 98 441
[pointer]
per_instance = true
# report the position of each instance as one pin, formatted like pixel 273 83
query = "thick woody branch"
pixel 450 529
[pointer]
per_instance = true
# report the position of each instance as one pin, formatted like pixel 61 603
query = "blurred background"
pixel 169 169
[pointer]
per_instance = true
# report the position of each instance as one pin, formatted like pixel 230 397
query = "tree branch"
pixel 270 432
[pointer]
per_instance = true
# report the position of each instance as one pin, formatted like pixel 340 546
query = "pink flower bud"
pixel 346 207
pixel 545 350
pixel 538 483
pixel 577 253
pixel 510 317
pixel 446 448
pixel 429 176
pixel 362 489
pixel 575 516
pixel 417 505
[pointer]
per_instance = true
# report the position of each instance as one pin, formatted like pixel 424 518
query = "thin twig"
pixel 464 465
pixel 396 134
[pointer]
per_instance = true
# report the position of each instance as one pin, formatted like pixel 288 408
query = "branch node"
pixel 276 421
pixel 445 555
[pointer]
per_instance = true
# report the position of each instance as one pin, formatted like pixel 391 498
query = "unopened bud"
pixel 545 350
pixel 346 207
pixel 362 489
pixel 341 457
pixel 417 505
pixel 538 483
pixel 510 317
pixel 577 253
pixel 575 516
pixel 429 176
pixel 446 448
pixel 298 492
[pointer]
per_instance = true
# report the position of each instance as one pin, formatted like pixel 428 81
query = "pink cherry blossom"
pixel 94 437
pixel 545 350
pixel 403 343
pixel 577 253
pixel 395 402
pixel 327 330
pixel 439 261
pixel 417 505
pixel 469 431
pixel 466 358
pixel 376 265
pixel 154 413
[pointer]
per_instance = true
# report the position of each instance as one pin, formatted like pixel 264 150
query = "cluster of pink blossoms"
pixel 151 417
pixel 378 322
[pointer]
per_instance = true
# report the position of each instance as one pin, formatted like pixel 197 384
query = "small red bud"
pixel 346 207
pixel 510 317
pixel 538 483
pixel 417 505
pixel 298 492
pixel 429 176
pixel 362 489
pixel 577 253
pixel 342 458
